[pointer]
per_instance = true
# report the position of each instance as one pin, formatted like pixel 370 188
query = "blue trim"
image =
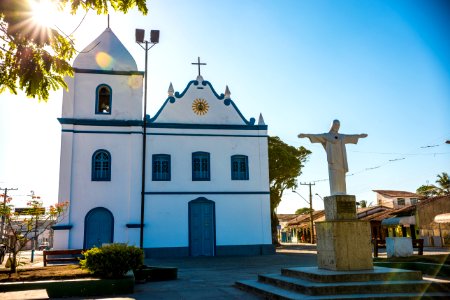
pixel 163 134
pixel 178 95
pixel 227 102
pixel 127 123
pixel 169 99
pixel 97 90
pixel 205 83
pixel 93 122
pixel 208 193
pixel 239 174
pixel 207 126
pixel 94 175
pixel 108 72
pixel 160 176
pixel 133 225
pixel 91 212
pixel 103 132
pixel 62 227
pixel 204 158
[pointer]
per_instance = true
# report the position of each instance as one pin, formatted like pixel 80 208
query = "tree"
pixel 303 211
pixel 21 230
pixel 34 58
pixel 427 190
pixel 285 163
pixel 444 184
pixel 431 190
pixel 363 203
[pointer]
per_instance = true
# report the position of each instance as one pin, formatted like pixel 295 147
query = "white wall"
pixel 240 220
pixel 80 100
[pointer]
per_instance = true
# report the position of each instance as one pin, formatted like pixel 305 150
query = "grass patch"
pixel 57 272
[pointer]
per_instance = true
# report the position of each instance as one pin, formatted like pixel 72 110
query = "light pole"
pixel 311 224
pixel 319 196
pixel 146 45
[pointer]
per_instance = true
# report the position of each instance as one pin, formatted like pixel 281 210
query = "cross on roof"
pixel 198 64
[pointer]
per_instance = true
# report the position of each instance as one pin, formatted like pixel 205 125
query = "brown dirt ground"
pixel 44 273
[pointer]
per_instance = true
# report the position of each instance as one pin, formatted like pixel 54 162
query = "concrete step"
pixel 377 274
pixel 273 292
pixel 338 288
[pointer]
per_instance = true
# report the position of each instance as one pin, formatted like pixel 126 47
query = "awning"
pixel 410 220
pixel 442 218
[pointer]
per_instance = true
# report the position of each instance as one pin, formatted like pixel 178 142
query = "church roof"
pixel 106 53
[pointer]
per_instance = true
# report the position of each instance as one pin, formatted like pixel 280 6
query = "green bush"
pixel 113 260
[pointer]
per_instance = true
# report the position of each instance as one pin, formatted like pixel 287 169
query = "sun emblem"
pixel 200 106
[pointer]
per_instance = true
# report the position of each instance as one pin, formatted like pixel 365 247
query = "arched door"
pixel 202 238
pixel 98 227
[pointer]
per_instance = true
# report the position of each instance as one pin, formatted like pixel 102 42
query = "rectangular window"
pixel 239 167
pixel 200 166
pixel 161 167
pixel 413 201
pixel 401 201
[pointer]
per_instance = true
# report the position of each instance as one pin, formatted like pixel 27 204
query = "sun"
pixel 44 12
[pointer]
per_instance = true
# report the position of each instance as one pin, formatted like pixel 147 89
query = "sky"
pixel 380 67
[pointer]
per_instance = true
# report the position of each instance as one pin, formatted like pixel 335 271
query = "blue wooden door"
pixel 201 227
pixel 98 227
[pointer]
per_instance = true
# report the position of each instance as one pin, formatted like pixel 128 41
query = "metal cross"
pixel 198 64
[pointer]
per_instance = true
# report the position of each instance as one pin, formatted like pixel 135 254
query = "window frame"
pixel 201 155
pixel 97 99
pixel 161 157
pixel 94 175
pixel 401 199
pixel 239 174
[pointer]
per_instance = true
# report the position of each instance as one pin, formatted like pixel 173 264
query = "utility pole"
pixel 5 196
pixel 310 210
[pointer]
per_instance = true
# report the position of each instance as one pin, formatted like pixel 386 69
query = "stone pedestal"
pixel 343 242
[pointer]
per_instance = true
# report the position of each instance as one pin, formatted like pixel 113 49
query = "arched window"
pixel 101 166
pixel 239 167
pixel 200 166
pixel 103 100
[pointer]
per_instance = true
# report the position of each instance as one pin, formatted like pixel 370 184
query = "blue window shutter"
pixel 161 167
pixel 239 167
pixel 201 166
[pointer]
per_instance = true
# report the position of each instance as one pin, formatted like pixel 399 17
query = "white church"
pixel 206 187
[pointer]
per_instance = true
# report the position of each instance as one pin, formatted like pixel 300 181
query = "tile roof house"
pixel 396 199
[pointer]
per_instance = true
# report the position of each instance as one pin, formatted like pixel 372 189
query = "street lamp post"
pixel 146 45
pixel 310 216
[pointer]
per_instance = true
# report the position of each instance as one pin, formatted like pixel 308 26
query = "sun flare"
pixel 44 12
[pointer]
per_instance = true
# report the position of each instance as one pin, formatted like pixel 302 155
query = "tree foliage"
pixel 20 229
pixel 431 190
pixel 35 58
pixel 285 163
pixel 303 211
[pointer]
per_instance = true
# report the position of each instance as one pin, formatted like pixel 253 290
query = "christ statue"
pixel 334 144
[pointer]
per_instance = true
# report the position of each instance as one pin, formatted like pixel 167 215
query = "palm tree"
pixel 444 184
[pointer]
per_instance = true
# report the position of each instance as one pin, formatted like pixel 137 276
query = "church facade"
pixel 206 166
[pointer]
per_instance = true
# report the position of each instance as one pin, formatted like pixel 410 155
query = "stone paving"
pixel 214 277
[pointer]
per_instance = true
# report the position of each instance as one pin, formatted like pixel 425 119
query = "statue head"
pixel 335 126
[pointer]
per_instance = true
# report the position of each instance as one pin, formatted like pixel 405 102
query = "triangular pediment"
pixel 199 103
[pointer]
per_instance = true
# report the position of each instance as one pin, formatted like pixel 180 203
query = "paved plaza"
pixel 214 277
